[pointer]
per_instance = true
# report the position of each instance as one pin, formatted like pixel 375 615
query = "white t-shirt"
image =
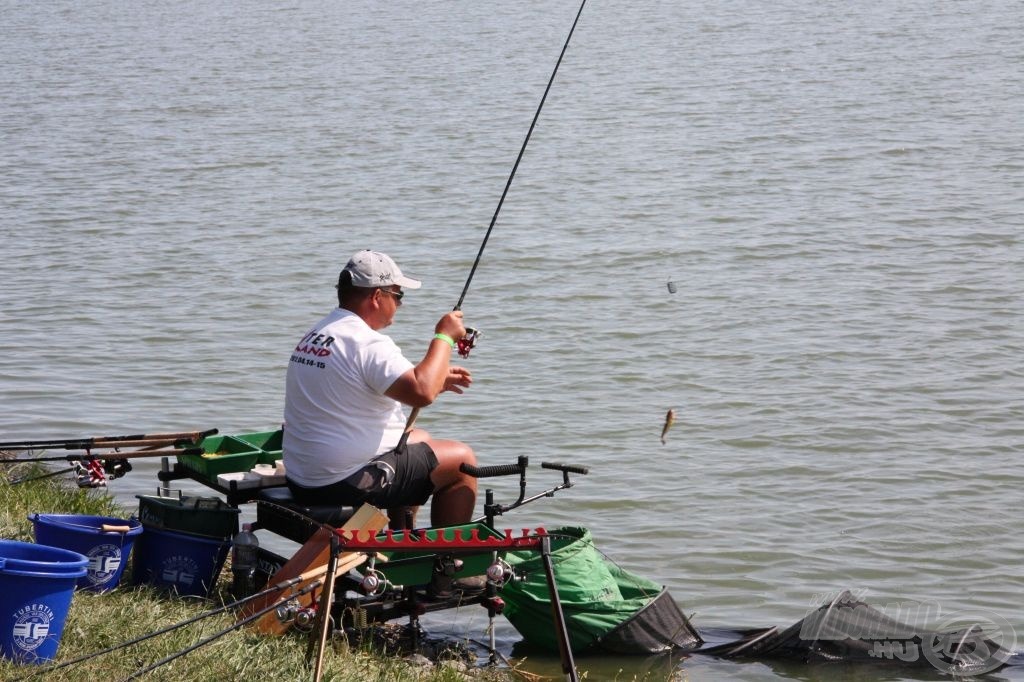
pixel 336 415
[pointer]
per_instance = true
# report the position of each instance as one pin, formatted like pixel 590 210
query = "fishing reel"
pixel 305 619
pixel 94 472
pixel 373 583
pixel 116 468
pixel 89 474
pixel 500 572
pixel 468 342
pixel 302 617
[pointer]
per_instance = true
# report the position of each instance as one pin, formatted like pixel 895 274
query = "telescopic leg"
pixel 564 649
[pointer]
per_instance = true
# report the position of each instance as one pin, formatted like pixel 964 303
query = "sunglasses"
pixel 397 294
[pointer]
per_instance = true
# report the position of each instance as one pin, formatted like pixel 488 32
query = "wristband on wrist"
pixel 447 339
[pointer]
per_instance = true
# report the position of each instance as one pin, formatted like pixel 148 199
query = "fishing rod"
pixel 220 633
pixel 278 587
pixel 317 573
pixel 92 469
pixel 515 166
pixel 150 443
pixel 105 455
pixel 468 342
pixel 108 441
pixel 102 457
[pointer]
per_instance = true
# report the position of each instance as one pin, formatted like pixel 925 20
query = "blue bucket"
pixel 36 586
pixel 180 562
pixel 107 550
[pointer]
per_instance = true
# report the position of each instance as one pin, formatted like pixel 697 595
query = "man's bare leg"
pixel 454 492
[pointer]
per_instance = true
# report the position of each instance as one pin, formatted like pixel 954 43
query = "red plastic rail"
pixel 417 539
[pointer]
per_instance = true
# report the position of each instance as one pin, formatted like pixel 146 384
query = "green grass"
pixel 99 621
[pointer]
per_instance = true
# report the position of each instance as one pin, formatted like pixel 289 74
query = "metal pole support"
pixel 564 648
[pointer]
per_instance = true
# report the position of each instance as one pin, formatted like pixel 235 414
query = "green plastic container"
pixel 267 442
pixel 207 516
pixel 228 454
pixel 417 568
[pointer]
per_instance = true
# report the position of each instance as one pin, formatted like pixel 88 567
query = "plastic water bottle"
pixel 244 555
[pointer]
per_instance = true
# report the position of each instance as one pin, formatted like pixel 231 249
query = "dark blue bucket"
pixel 36 586
pixel 105 541
pixel 180 562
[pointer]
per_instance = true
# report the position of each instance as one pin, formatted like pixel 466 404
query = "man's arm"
pixel 421 385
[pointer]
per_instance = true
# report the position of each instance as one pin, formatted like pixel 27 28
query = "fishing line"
pixel 515 166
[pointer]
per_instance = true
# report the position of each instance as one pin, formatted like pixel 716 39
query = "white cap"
pixel 375 269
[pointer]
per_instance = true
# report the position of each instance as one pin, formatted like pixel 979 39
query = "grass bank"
pixel 99 621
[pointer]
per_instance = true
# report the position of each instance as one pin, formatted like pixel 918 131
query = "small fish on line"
pixel 670 418
pixel 671 287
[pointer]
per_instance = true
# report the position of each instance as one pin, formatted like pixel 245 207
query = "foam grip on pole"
pixel 570 468
pixel 488 472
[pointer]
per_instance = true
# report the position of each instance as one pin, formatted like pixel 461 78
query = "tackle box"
pixel 222 454
pixel 207 516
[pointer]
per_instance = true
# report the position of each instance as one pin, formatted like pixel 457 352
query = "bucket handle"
pixel 104 528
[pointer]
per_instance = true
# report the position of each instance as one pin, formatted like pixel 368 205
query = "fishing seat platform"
pixel 278 512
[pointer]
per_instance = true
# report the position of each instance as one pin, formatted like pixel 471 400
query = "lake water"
pixel 835 190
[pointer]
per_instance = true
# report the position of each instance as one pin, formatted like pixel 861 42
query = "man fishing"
pixel 345 387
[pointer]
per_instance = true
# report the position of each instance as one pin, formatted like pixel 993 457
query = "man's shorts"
pixel 394 479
